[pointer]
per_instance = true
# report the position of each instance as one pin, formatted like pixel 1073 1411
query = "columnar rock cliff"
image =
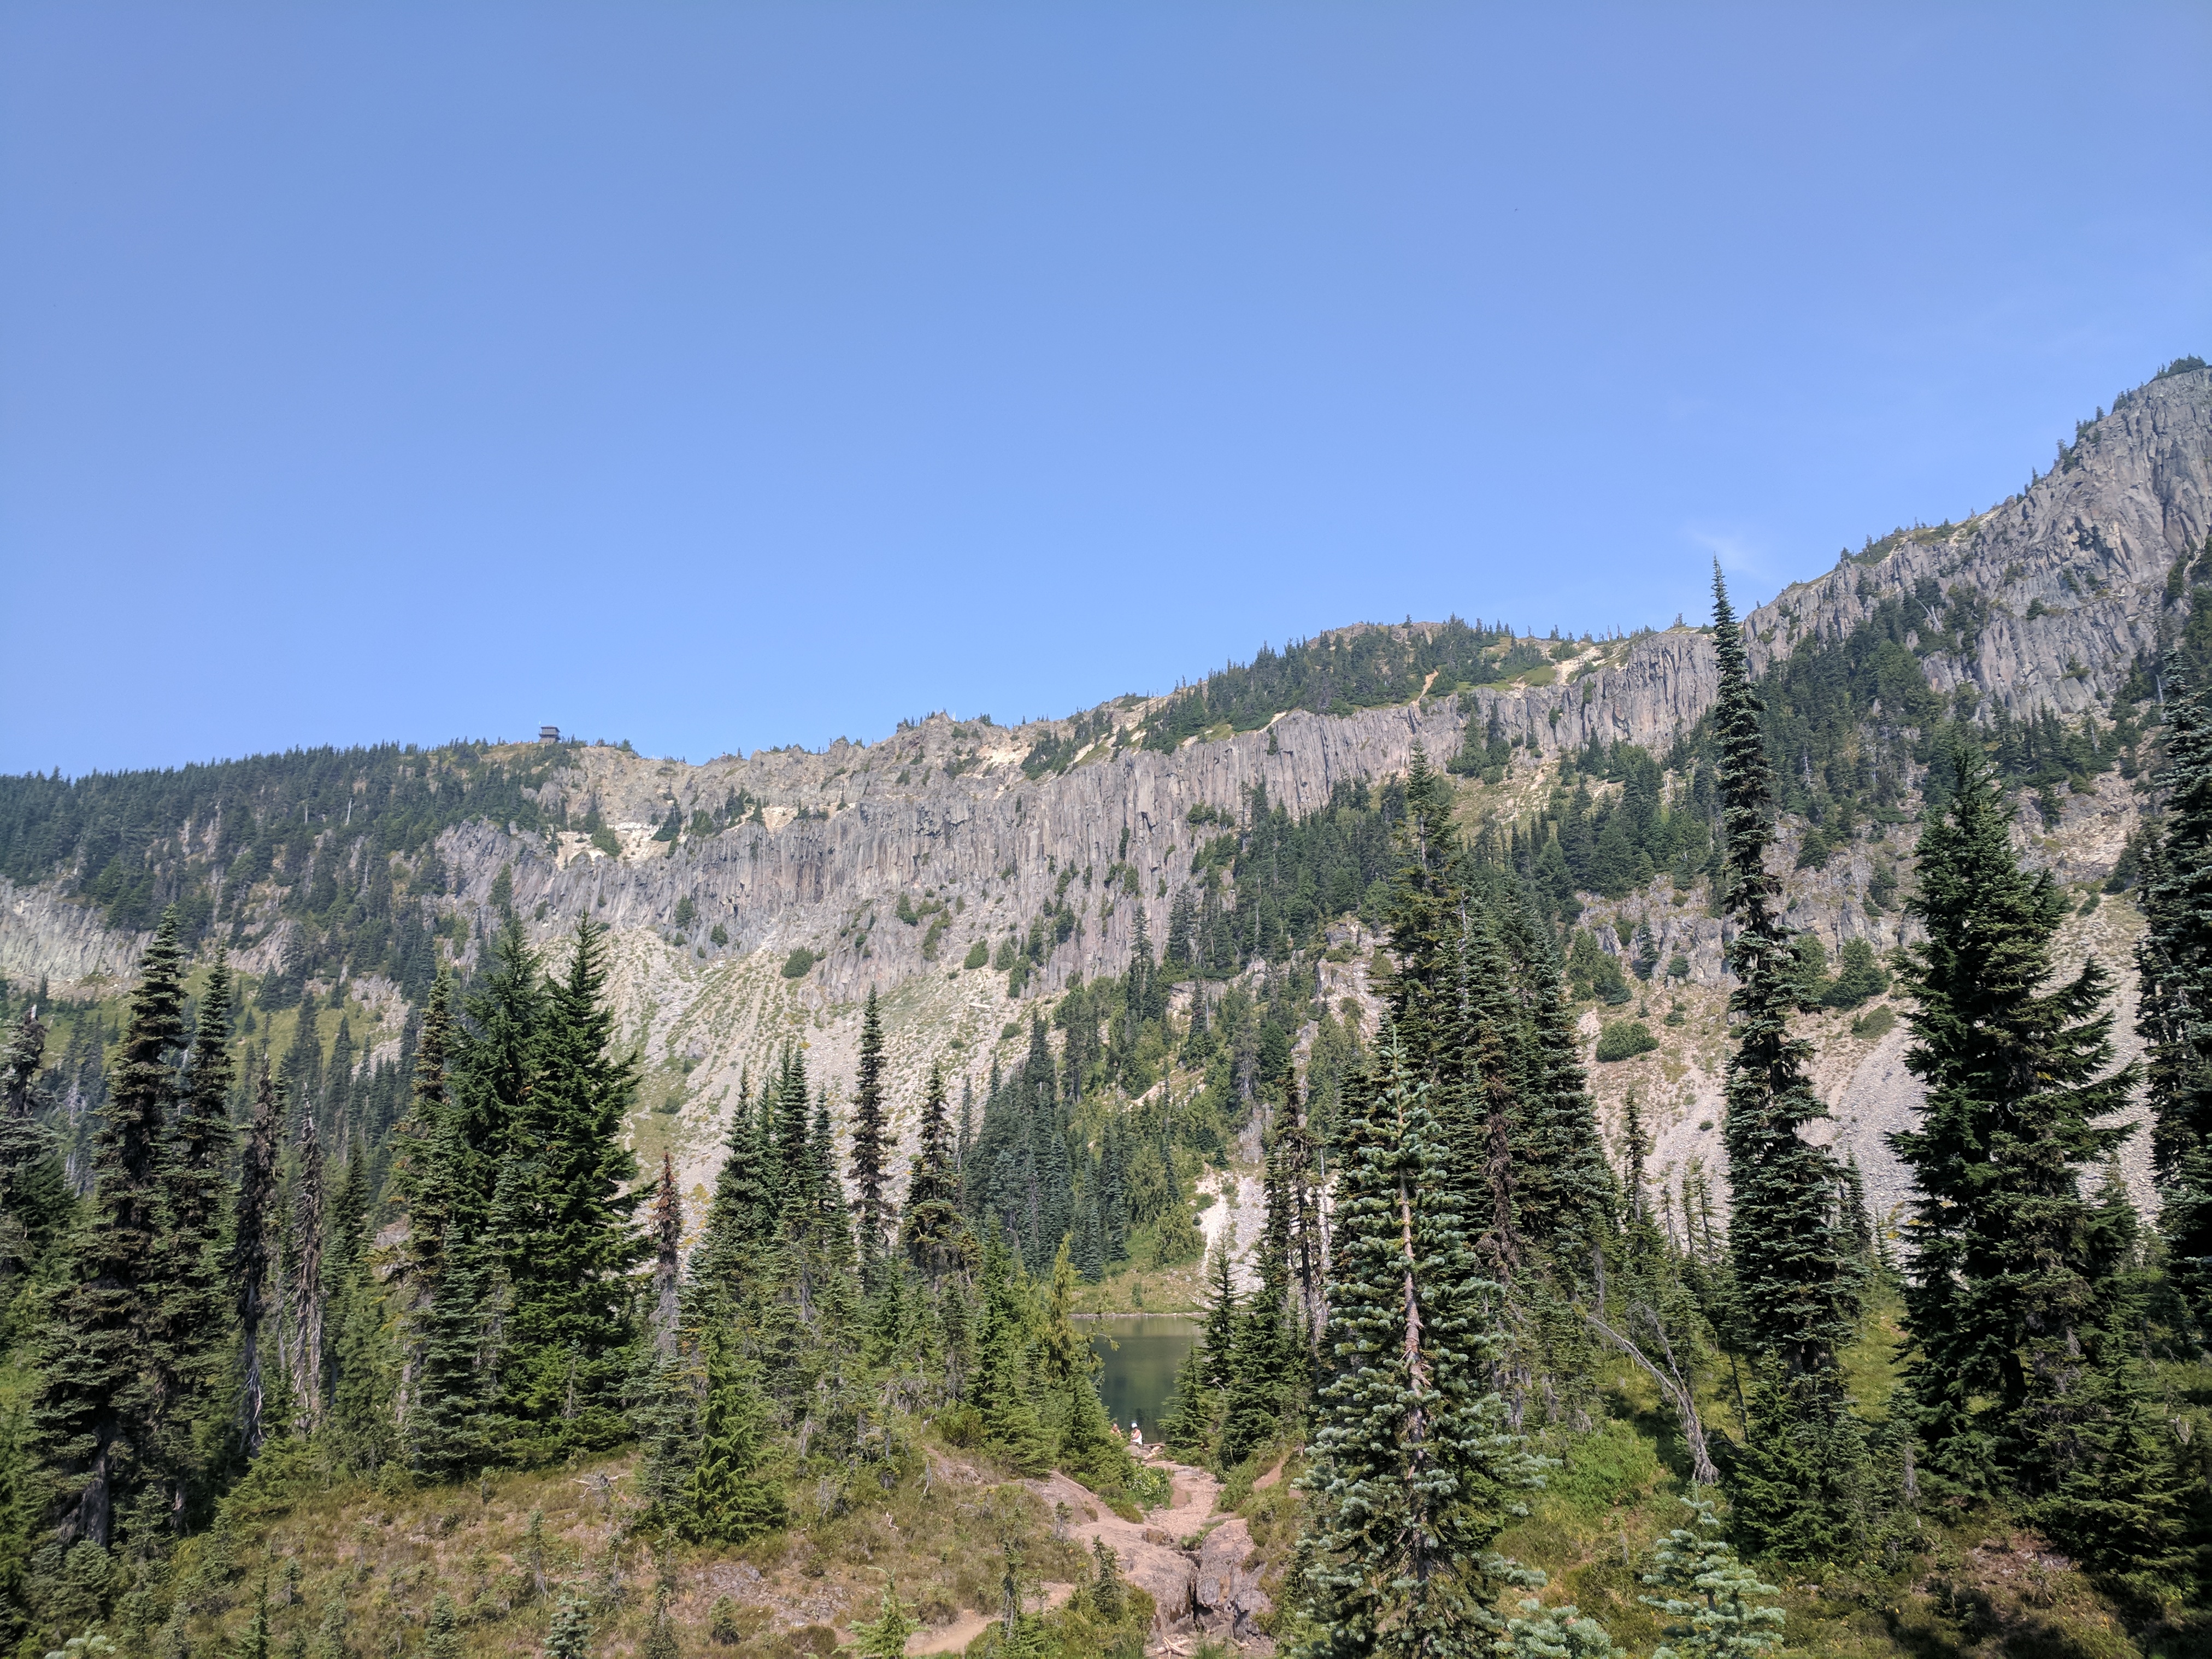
pixel 2066 588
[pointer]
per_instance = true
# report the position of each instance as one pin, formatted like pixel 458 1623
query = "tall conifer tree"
pixel 2017 1305
pixel 870 1142
pixel 95 1409
pixel 1796 1270
pixel 251 1252
pixel 1415 1471
pixel 2174 1015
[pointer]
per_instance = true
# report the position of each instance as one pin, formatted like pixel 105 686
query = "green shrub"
pixel 686 912
pixel 603 839
pixel 1876 1023
pixel 720 935
pixel 1858 976
pixel 796 965
pixel 979 956
pixel 1625 1039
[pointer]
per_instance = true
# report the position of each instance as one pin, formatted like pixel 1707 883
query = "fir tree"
pixel 250 1253
pixel 668 1245
pixel 931 1230
pixel 731 1501
pixel 1217 1340
pixel 303 1281
pixel 95 1408
pixel 1000 1385
pixel 2174 1014
pixel 569 1244
pixel 870 1142
pixel 1415 1471
pixel 429 1181
pixel 441 1631
pixel 741 1219
pixel 2011 1305
pixel 193 1168
pixel 1721 1608
pixel 885 1637
pixel 1796 1274
pixel 36 1203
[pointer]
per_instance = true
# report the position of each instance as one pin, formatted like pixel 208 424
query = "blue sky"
pixel 723 376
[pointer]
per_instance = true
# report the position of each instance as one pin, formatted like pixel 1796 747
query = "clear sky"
pixel 720 376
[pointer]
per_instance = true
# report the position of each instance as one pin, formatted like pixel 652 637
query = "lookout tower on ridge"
pixel 548 734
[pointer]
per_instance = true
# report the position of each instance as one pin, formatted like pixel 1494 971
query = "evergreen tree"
pixel 741 1219
pixel 429 1182
pixel 931 1230
pixel 36 1203
pixel 95 1410
pixel 250 1253
pixel 668 1248
pixel 885 1637
pixel 1217 1340
pixel 1415 1470
pixel 1721 1608
pixel 303 1281
pixel 569 1244
pixel 193 1166
pixel 2014 1309
pixel 870 1142
pixel 441 1631
pixel 731 1501
pixel 1795 1270
pixel 999 1384
pixel 2174 1013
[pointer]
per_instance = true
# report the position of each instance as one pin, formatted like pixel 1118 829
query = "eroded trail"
pixel 1191 1559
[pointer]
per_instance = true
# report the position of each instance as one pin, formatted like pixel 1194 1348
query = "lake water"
pixel 1141 1352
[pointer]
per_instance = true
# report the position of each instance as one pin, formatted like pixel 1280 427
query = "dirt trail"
pixel 1203 1589
pixel 955 1636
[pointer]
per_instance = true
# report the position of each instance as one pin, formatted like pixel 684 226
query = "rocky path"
pixel 1192 1560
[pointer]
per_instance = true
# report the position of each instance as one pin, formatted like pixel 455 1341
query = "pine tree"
pixel 250 1253
pixel 2174 1015
pixel 870 1142
pixel 1720 1606
pixel 95 1410
pixel 1796 1271
pixel 668 1247
pixel 2010 1308
pixel 1415 1471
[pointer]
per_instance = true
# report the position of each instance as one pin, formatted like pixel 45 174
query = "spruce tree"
pixel 2011 1305
pixel 1795 1271
pixel 1415 1470
pixel 2174 1015
pixel 95 1408
pixel 871 1143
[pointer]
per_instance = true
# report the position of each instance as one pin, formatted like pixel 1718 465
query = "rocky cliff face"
pixel 944 813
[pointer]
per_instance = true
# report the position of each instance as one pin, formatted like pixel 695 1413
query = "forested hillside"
pixel 1750 1066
